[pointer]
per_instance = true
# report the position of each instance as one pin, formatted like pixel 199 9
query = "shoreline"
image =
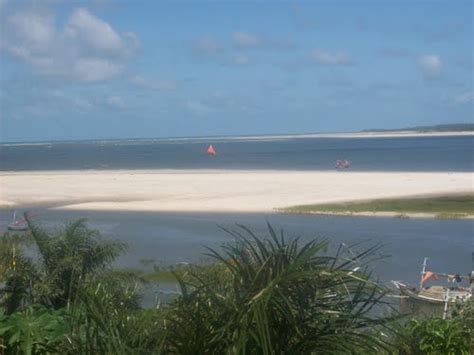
pixel 223 171
pixel 404 215
pixel 227 191
pixel 270 137
pixel 450 206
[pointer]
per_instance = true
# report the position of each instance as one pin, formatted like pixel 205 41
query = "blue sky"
pixel 111 69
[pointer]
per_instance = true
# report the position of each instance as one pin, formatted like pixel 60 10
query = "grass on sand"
pixel 452 206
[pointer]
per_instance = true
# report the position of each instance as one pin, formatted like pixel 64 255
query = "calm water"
pixel 376 154
pixel 171 238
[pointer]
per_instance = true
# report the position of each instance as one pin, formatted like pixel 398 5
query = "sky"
pixel 128 69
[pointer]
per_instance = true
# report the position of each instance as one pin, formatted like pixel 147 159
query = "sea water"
pixel 447 153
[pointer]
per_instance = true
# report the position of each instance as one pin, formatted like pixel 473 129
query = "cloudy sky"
pixel 110 69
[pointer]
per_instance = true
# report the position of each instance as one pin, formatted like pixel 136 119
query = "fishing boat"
pixel 445 295
pixel 18 224
pixel 342 164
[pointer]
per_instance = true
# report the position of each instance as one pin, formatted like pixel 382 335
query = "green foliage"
pixel 9 244
pixel 456 206
pixel 35 330
pixel 274 296
pixel 440 336
pixel 260 295
pixel 20 275
pixel 69 258
pixel 69 301
pixel 67 261
pixel 107 320
pixel 101 321
pixel 435 336
pixel 464 316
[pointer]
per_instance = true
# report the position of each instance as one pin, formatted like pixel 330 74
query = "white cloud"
pixel 34 32
pixel 249 40
pixel 95 69
pixel 92 32
pixel 467 97
pixel 244 39
pixel 88 49
pixel 154 83
pixel 230 54
pixel 221 102
pixel 139 81
pixel 198 107
pixel 114 101
pixel 327 58
pixel 240 59
pixel 206 45
pixel 430 65
pixel 81 104
pixel 209 49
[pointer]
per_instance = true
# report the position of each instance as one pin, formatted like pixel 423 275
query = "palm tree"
pixel 66 262
pixel 260 295
pixel 68 300
pixel 269 295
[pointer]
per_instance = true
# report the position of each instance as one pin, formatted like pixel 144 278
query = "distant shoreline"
pixel 271 137
pixel 407 215
pixel 451 206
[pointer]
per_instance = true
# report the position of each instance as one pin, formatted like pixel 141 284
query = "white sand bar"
pixel 216 191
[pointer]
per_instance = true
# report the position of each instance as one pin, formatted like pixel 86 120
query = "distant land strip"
pixel 455 127
pixel 444 206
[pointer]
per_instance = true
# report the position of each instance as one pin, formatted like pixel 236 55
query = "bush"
pixel 269 295
pixel 35 330
pixel 434 336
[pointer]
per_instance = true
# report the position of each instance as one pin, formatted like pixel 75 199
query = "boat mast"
pixel 446 300
pixel 423 272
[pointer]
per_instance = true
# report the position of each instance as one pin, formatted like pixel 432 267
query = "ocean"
pixel 447 153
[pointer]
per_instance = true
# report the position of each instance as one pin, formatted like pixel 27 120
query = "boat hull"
pixel 17 228
pixel 453 295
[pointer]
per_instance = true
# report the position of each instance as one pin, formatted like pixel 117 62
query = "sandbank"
pixel 216 190
pixel 260 138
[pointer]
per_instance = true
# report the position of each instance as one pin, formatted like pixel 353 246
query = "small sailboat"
pixel 211 151
pixel 18 224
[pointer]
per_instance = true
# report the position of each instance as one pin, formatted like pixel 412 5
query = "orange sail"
pixel 211 150
pixel 429 275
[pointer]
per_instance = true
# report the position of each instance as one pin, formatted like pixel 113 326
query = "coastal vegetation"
pixel 260 294
pixel 449 206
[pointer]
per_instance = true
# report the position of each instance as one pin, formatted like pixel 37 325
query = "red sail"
pixel 211 150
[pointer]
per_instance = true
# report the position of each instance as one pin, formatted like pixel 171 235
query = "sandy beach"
pixel 215 191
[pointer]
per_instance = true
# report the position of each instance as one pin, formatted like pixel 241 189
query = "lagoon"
pixel 170 238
